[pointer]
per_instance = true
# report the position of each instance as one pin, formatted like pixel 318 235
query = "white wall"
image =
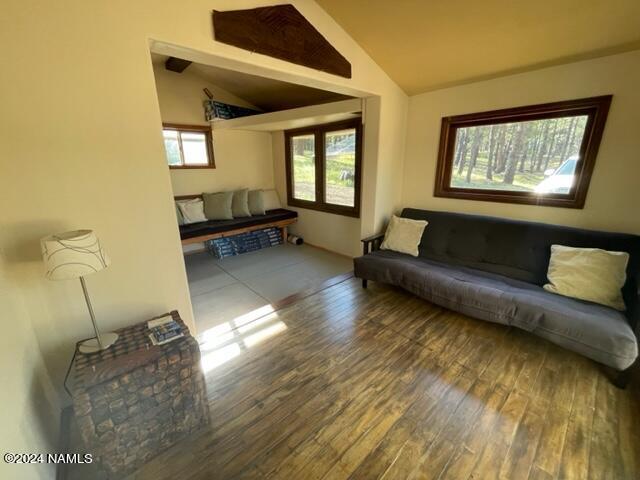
pixel 28 419
pixel 614 193
pixel 80 130
pixel 243 158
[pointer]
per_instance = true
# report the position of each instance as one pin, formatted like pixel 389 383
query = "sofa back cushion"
pixel 512 248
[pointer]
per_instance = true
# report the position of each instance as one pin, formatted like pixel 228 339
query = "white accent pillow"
pixel 403 235
pixel 588 274
pixel 192 211
pixel 271 200
pixel 179 215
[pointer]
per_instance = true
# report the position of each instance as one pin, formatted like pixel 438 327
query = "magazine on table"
pixel 164 330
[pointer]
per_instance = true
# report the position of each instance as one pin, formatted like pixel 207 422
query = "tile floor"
pixel 232 288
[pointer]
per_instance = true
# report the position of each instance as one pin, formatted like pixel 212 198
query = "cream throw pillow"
pixel 271 200
pixel 588 274
pixel 403 235
pixel 192 211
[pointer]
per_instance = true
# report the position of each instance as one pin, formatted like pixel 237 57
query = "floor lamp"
pixel 77 254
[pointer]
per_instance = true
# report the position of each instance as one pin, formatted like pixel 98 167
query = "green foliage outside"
pixel 304 174
pixel 514 156
pixel 173 151
pixel 340 187
pixel 339 172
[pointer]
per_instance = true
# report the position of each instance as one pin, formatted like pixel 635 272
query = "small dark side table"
pixel 134 400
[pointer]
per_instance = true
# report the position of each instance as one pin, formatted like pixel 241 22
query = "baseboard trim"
pixel 191 252
pixel 203 250
pixel 329 250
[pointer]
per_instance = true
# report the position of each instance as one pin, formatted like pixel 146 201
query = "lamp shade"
pixel 73 255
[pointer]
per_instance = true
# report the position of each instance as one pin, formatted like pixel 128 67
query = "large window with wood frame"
pixel 323 167
pixel 540 154
pixel 188 146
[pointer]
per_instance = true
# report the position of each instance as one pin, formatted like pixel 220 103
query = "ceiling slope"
pixel 427 44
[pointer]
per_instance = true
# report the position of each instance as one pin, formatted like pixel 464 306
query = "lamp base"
pixel 92 346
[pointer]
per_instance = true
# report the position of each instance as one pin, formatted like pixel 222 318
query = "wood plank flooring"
pixel 366 384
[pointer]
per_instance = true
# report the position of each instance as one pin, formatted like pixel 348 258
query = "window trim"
pixel 596 109
pixel 192 128
pixel 319 131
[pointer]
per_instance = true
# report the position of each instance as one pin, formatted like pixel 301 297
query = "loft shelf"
pixel 294 118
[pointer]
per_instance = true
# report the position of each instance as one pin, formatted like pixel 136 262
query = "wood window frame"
pixel 595 108
pixel 192 128
pixel 318 131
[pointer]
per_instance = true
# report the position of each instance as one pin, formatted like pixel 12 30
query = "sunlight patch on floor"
pixel 216 336
pixel 228 340
pixel 217 357
pixel 252 315
pixel 265 333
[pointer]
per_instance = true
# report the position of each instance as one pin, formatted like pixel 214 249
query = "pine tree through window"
pixel 543 154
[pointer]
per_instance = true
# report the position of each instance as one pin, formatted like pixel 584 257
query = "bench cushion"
pixel 221 226
pixel 595 331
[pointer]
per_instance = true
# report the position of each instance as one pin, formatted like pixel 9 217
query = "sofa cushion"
pixel 595 331
pixel 513 248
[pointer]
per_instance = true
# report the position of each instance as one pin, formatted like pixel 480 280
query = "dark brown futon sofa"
pixel 494 269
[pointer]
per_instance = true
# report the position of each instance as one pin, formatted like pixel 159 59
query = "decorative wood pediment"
pixel 281 32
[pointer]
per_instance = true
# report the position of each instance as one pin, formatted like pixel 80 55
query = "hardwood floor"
pixel 353 383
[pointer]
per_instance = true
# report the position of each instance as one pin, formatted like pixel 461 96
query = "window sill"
pixel 325 208
pixel 190 167
pixel 522 198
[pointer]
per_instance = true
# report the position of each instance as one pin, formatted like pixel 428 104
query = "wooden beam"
pixel 177 65
pixel 281 32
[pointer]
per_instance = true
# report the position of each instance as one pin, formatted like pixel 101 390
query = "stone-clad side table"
pixel 135 400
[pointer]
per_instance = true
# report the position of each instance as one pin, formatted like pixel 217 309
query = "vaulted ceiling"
pixel 428 44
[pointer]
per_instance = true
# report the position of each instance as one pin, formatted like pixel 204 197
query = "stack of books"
pixel 214 110
pixel 164 330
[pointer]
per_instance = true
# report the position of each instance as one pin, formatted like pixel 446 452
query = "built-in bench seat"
pixel 201 232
